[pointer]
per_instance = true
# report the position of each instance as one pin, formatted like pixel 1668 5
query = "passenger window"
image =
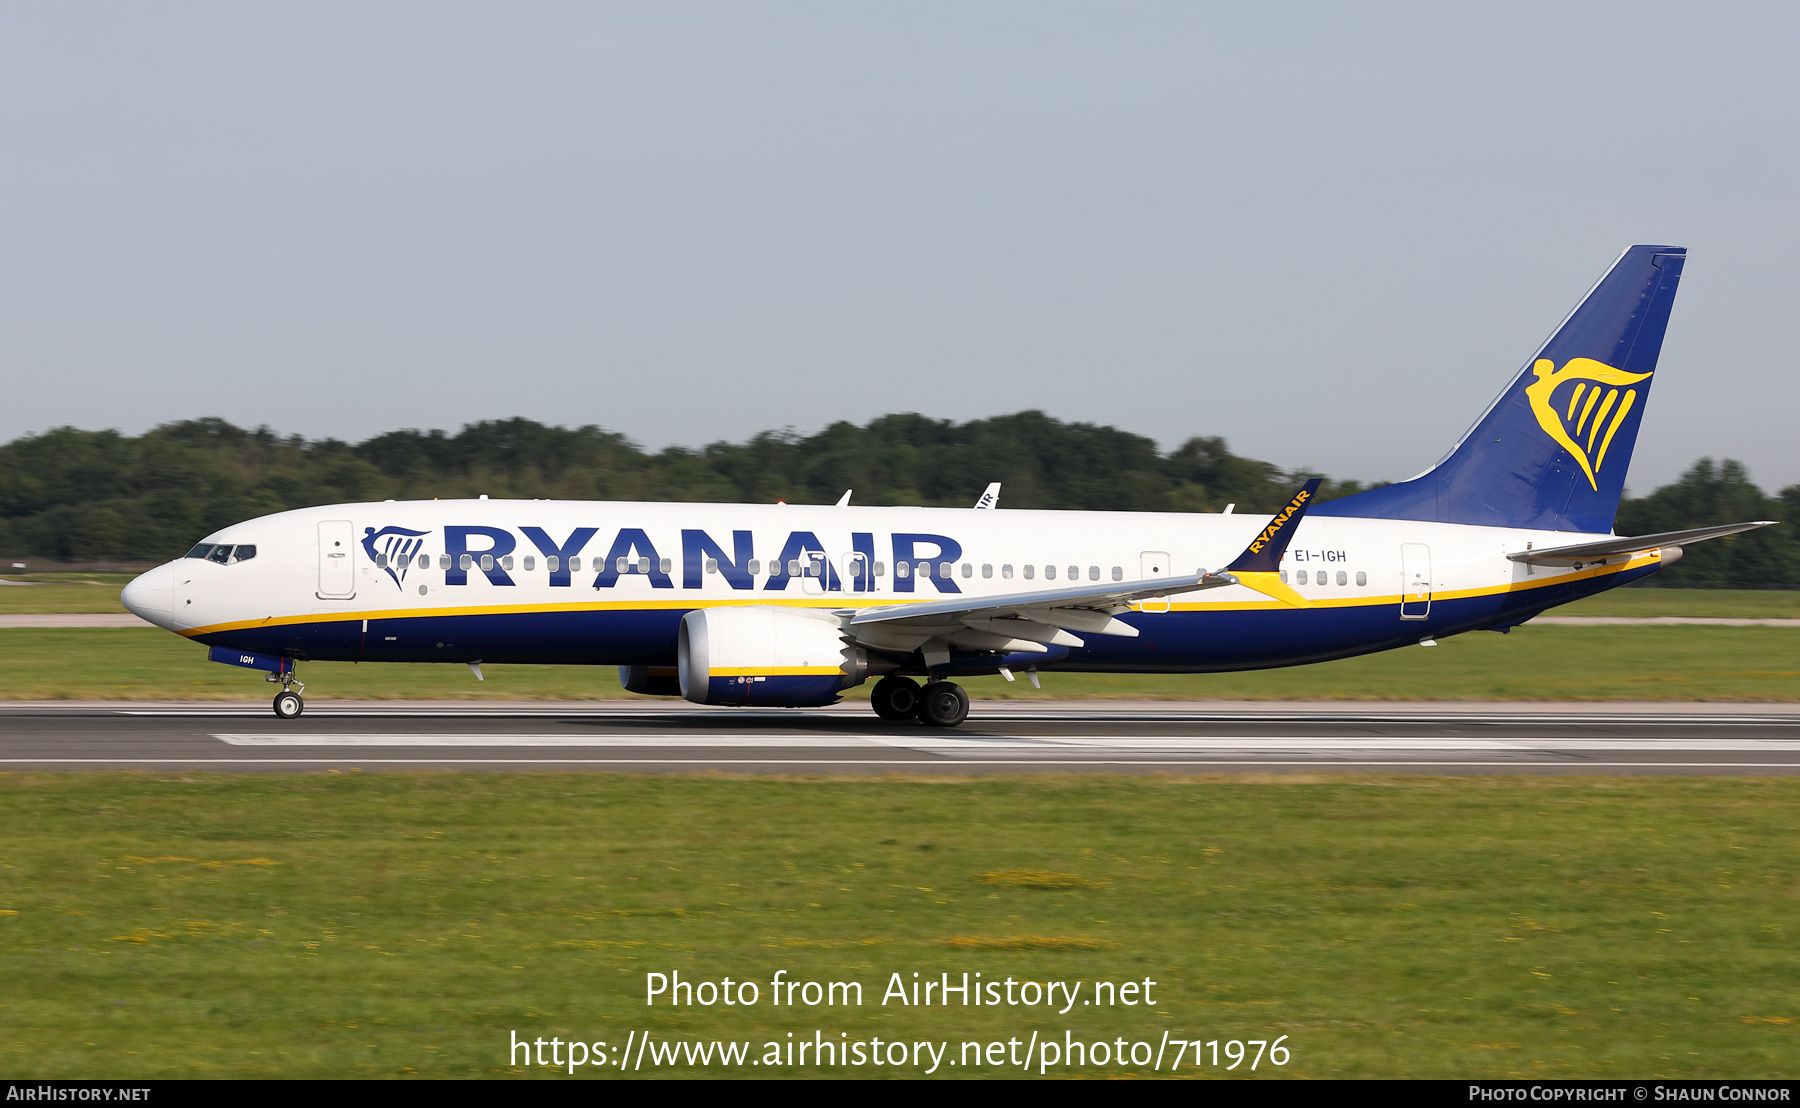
pixel 622 564
pixel 243 553
pixel 1074 573
pixel 1049 573
pixel 815 568
pixel 666 565
pixel 902 569
pixel 987 570
pixel 1006 572
pixel 530 563
pixel 1118 573
pixel 946 570
pixel 969 571
pixel 1300 577
pixel 1093 573
pixel 1343 579
pixel 463 563
pixel 444 561
pixel 1284 579
pixel 575 565
pixel 755 567
pixel 380 560
pixel 506 561
pixel 924 569
pixel 1362 578
pixel 793 567
pixel 487 562
pixel 424 561
pixel 643 565
pixel 200 551
pixel 1030 572
pixel 712 565
pixel 880 569
pixel 553 563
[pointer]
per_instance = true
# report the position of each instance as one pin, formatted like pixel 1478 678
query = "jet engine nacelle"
pixel 766 657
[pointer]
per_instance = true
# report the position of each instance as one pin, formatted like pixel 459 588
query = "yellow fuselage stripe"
pixel 887 601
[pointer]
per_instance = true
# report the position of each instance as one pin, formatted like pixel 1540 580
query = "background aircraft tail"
pixel 1552 451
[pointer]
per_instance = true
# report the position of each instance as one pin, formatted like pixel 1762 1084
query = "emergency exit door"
pixel 337 560
pixel 1415 580
pixel 1151 565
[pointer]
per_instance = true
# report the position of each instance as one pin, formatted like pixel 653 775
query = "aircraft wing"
pixel 1588 552
pixel 1042 603
pixel 1031 622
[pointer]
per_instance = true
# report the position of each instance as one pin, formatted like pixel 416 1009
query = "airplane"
pixel 788 605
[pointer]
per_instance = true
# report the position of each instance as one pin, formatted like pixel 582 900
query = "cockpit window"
pixel 223 553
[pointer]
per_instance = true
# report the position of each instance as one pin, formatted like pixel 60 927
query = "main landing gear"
pixel 939 704
pixel 288 703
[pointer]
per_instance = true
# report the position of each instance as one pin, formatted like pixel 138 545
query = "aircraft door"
pixel 1415 580
pixel 1151 565
pixel 337 560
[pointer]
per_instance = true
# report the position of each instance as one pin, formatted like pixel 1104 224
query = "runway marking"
pixel 908 764
pixel 961 745
pixel 1099 715
pixel 400 739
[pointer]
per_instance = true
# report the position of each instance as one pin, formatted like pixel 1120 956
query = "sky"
pixel 1329 233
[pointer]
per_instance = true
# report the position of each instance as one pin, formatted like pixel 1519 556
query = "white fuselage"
pixel 386 581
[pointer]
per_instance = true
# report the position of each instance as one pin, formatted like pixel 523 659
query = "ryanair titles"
pixel 1280 520
pixel 496 554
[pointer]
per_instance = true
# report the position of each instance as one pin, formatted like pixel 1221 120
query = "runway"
pixel 638 736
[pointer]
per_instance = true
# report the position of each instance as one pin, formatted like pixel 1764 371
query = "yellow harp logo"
pixel 1599 392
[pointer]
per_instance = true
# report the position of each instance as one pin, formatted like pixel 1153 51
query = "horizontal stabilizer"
pixel 1585 553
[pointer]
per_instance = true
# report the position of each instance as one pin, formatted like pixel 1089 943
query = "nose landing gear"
pixel 288 702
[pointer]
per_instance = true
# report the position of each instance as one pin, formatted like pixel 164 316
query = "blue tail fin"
pixel 1552 451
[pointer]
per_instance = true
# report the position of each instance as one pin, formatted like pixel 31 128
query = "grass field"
pixel 72 592
pixel 365 925
pixel 1532 663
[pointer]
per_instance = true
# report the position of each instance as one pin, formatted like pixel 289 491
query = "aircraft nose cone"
pixel 151 597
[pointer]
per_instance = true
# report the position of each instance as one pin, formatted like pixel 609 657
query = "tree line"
pixel 91 495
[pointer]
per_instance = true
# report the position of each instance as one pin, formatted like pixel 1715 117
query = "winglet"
pixel 1259 566
pixel 990 498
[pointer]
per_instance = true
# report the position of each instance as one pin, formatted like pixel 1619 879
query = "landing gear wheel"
pixel 288 704
pixel 945 704
pixel 895 698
